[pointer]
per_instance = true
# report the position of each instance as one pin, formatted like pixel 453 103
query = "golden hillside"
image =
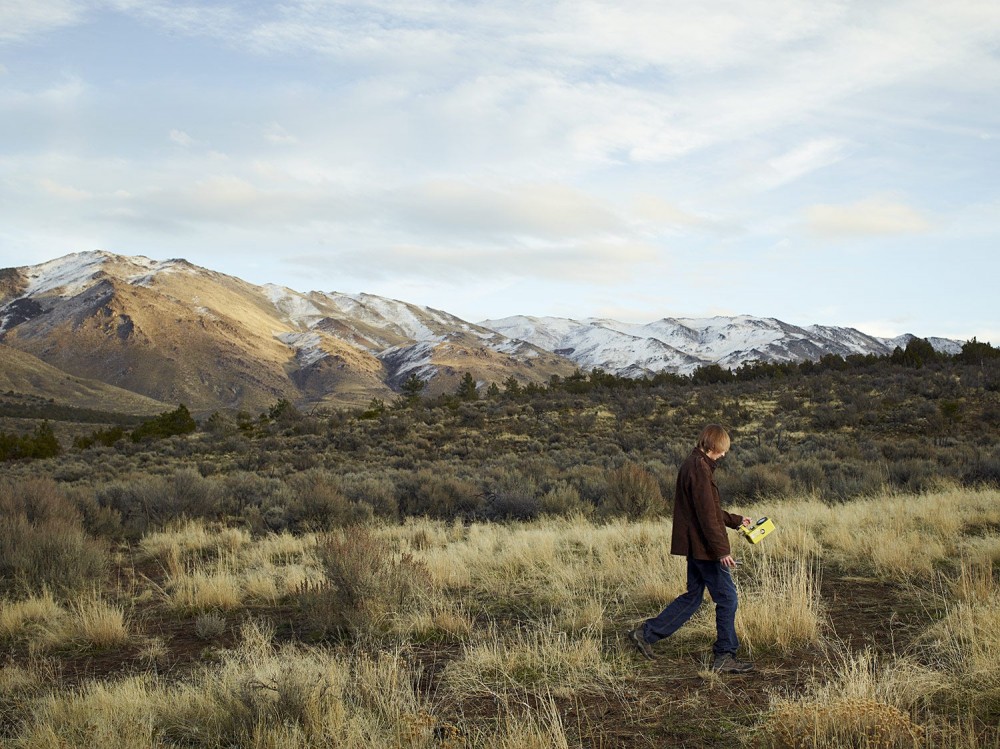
pixel 177 333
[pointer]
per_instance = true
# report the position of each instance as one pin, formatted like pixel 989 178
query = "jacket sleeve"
pixel 708 513
pixel 732 520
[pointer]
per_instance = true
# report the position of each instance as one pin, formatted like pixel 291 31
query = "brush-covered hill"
pixel 24 373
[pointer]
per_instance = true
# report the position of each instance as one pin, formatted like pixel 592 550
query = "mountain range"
pixel 97 329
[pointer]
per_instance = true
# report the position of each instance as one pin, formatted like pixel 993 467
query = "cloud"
pixel 647 81
pixel 63 192
pixel 21 19
pixel 541 211
pixel 656 210
pixel 875 216
pixel 195 19
pixel 55 98
pixel 181 138
pixel 801 160
pixel 275 133
pixel 600 263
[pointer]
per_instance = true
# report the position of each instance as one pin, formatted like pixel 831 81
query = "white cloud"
pixel 547 211
pixel 181 138
pixel 67 92
pixel 64 192
pixel 20 19
pixel 196 19
pixel 871 217
pixel 801 160
pixel 600 263
pixel 277 134
pixel 656 210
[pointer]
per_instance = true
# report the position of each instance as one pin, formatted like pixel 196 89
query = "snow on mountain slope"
pixel 682 345
pixel 294 306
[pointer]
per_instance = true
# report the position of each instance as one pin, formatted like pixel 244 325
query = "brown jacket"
pixel 699 522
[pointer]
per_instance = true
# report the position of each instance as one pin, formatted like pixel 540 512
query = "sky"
pixel 830 162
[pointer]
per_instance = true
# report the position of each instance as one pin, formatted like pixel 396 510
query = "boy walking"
pixel 699 534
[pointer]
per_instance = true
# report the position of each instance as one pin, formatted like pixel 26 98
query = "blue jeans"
pixel 701 574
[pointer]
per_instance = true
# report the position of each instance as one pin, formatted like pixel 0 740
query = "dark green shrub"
pixel 632 491
pixel 914 475
pixel 563 500
pixel 808 476
pixel 984 471
pixel 104 437
pixel 755 483
pixel 437 495
pixel 318 503
pixel 378 492
pixel 178 421
pixel 512 495
pixel 146 502
pixel 42 541
pixel 41 444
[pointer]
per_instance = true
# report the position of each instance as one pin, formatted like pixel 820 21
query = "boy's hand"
pixel 728 561
pixel 747 521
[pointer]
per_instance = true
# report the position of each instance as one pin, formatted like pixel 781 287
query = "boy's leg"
pixel 719 582
pixel 679 610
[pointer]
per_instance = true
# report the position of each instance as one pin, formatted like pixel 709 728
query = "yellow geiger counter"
pixel 757 531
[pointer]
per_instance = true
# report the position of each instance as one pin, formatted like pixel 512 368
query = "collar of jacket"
pixel 711 463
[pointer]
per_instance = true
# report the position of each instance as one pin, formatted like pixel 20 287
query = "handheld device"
pixel 756 532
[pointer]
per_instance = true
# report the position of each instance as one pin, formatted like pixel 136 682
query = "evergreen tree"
pixel 166 424
pixel 412 388
pixel 44 443
pixel 511 387
pixel 974 352
pixel 467 388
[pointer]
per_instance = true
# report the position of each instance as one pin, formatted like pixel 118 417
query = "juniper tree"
pixel 467 388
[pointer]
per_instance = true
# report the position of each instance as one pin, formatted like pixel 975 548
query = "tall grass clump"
pixel 780 605
pixel 366 585
pixel 539 659
pixel 966 645
pixel 41 623
pixel 520 728
pixel 868 700
pixel 214 568
pixel 893 537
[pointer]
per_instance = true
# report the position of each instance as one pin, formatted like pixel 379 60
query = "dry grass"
pixel 845 722
pixel 525 615
pixel 42 624
pixel 895 537
pixel 967 642
pixel 861 700
pixel 257 696
pixel 538 659
pixel 224 569
pixel 779 605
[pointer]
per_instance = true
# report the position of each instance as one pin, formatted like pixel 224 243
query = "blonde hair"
pixel 714 438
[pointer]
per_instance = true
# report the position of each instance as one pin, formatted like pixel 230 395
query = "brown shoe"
pixel 639 639
pixel 727 663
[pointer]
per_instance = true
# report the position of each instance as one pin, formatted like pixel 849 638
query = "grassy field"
pixel 873 623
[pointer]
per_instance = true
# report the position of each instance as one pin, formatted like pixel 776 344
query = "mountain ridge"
pixel 171 331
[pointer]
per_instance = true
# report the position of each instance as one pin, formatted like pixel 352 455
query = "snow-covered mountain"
pixel 681 345
pixel 174 332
